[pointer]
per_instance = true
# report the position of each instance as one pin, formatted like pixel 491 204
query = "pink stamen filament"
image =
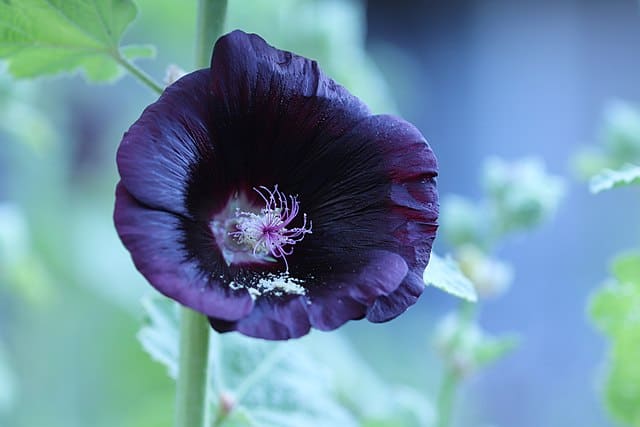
pixel 267 232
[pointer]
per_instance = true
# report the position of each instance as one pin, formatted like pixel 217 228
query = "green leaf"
pixel 608 178
pixel 134 51
pixel 615 307
pixel 266 383
pixel 616 310
pixel 626 268
pixel 46 37
pixel 359 388
pixel 161 335
pixel 278 384
pixel 622 388
pixel 444 273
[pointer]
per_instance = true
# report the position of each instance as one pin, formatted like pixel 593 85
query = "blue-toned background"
pixel 520 78
pixel 479 78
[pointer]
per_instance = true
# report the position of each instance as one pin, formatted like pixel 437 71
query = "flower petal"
pixel 368 192
pixel 265 117
pixel 329 303
pixel 273 110
pixel 164 151
pixel 160 248
pixel 347 297
pixel 272 319
pixel 391 306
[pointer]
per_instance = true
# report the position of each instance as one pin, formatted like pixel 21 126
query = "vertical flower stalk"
pixel 191 389
pixel 452 375
pixel 193 373
pixel 211 17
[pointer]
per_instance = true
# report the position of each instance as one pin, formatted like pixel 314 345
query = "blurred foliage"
pixel 518 196
pixel 253 381
pixel 615 308
pixel 20 268
pixel 330 31
pixel 71 350
pixel 463 221
pixel 618 143
pixel 7 383
pixel 256 382
pixel 490 276
pixel 44 37
pixel 608 179
pixel 521 194
pixel 465 347
pixel 616 311
pixel 22 120
pixel 362 391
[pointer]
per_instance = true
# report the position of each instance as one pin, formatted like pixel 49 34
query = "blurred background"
pixel 480 79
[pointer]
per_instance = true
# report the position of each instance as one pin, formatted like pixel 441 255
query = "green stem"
pixel 211 17
pixel 452 376
pixel 193 374
pixel 446 397
pixel 467 312
pixel 191 394
pixel 136 72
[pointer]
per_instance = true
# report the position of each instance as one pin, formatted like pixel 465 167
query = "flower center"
pixel 248 236
pixel 267 233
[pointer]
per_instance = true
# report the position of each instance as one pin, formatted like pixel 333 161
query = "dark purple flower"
pixel 264 195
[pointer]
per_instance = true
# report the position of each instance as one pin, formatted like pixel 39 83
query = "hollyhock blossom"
pixel 262 194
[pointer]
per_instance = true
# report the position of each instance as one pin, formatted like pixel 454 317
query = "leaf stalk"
pixel 136 72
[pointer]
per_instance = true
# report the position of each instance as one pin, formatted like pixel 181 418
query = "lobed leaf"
pixel 269 383
pixel 47 37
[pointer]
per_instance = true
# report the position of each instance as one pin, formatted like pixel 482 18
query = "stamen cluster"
pixel 267 233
